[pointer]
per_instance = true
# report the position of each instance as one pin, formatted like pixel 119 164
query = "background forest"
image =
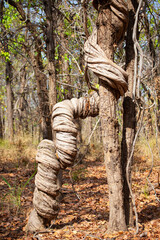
pixel 41 63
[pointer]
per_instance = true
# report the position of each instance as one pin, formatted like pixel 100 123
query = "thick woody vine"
pixel 53 156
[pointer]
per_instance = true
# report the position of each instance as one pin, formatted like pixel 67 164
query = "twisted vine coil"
pixel 51 157
pixel 118 7
pixel 46 189
pixel 63 116
pixel 96 59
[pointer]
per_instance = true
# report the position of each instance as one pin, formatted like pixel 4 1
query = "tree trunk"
pixel 129 115
pixel 42 91
pixel 9 101
pixel 84 7
pixel 38 66
pixel 21 104
pixel 44 105
pixel 65 69
pixel 51 19
pixel 8 77
pixel 110 127
pixel 1 124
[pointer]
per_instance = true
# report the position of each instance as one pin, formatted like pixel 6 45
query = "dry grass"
pixel 21 151
pixel 78 219
pixel 148 150
pixel 17 158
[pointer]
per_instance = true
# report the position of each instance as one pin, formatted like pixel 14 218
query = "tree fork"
pixel 110 31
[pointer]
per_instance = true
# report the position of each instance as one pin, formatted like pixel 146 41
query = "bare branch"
pixel 74 59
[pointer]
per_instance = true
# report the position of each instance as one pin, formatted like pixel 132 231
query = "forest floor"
pixel 83 211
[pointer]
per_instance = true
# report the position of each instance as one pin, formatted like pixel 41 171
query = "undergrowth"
pixel 21 151
pixel 147 151
pixel 17 156
pixel 21 154
pixel 14 194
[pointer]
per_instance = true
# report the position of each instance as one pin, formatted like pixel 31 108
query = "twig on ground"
pixel 90 235
pixel 36 236
pixel 47 230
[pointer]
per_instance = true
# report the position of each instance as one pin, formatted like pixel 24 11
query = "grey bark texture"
pixel 111 27
pixel 51 21
pixel 129 114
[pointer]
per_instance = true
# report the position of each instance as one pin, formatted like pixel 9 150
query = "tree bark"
pixel 51 20
pixel 43 96
pixel 65 69
pixel 84 7
pixel 109 125
pixel 9 101
pixel 129 115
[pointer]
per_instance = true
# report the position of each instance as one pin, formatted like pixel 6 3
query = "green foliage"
pixel 79 174
pixel 152 10
pixel 66 57
pixel 15 192
pixel 71 27
pixel 145 191
pixel 2 95
pixel 5 54
pixel 9 17
pixel 11 22
pixel 56 52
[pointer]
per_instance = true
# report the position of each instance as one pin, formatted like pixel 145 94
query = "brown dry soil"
pixel 84 218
